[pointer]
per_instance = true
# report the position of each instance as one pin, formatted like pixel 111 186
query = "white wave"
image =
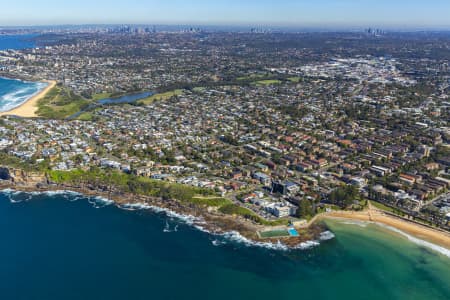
pixel 187 219
pixel 19 96
pixel 418 241
pixel 167 228
pixel 326 235
pixel 130 207
pixel 16 196
pixel 357 223
pixel 61 192
pixel 203 229
pixel 100 202
pixel 47 193
pixel 190 220
pixel 218 243
pixel 231 235
pixel 74 198
pixel 411 238
pixel 68 195
pixel 307 245
pixel 198 223
pixel 7 191
pixel 235 236
pixel 106 201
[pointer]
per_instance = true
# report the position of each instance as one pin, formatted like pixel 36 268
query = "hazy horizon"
pixel 349 14
pixel 237 27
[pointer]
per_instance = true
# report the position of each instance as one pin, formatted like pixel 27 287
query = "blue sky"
pixel 386 13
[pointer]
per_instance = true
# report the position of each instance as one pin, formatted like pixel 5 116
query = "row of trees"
pixel 128 183
pixel 344 196
pixel 305 208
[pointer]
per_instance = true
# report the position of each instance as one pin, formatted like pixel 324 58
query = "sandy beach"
pixel 417 230
pixel 29 108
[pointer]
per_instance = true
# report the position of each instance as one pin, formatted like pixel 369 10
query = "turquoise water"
pixel 71 247
pixel 15 92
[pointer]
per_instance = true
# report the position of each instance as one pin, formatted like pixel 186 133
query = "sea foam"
pixel 418 241
pixel 326 235
pixel 357 223
pixel 411 238
pixel 232 236
pixel 195 222
pixel 14 93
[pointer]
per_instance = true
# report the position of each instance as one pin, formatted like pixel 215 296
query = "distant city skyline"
pixel 291 13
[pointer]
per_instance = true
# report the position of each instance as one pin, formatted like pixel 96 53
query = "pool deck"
pixel 285 232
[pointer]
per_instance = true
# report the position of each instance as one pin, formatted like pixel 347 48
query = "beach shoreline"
pixel 375 216
pixel 29 108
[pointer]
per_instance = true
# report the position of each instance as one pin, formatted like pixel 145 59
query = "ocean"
pixel 14 92
pixel 67 246
pixel 17 42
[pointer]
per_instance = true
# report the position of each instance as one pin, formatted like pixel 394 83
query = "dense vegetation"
pixel 344 196
pixel 155 188
pixel 161 96
pixel 28 166
pixel 127 183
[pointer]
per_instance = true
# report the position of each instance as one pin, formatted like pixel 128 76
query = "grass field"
pixel 382 207
pixel 295 79
pixel 60 103
pixel 211 201
pixel 252 77
pixel 161 96
pixel 268 82
pixel 100 96
pixel 199 89
pixel 86 116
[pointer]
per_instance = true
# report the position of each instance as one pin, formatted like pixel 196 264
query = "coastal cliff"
pixel 20 177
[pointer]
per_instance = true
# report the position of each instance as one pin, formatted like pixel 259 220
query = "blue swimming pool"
pixel 293 232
